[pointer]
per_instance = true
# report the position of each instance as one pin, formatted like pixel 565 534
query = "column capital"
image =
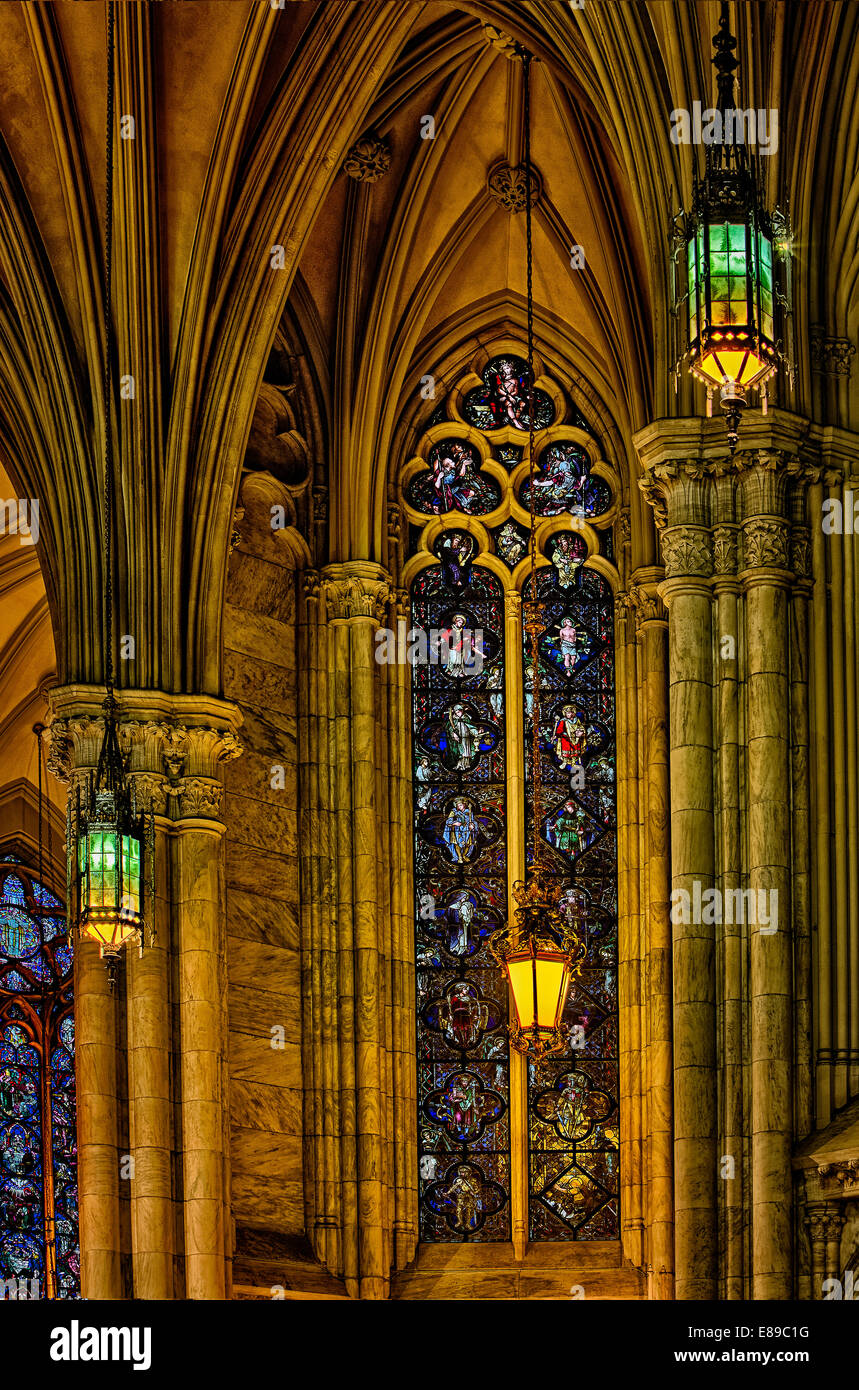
pixel 174 745
pixel 358 589
pixel 645 600
pixel 680 457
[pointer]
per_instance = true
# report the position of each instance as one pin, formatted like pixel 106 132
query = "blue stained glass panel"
pixel 460 899
pixel 573 1097
pixel 38 1142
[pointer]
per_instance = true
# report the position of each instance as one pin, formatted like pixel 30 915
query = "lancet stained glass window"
pixel 461 891
pixel 468 745
pixel 572 1098
pixel 38 1145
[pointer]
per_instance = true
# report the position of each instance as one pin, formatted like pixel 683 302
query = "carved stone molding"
pixel 686 550
pixel 310 584
pixel 647 606
pixel 725 550
pixel 840 1179
pixel 369 159
pixel 658 480
pixel 395 522
pixel 831 356
pixel 765 543
pixel 513 605
pixel 503 42
pixel 359 589
pixel 508 186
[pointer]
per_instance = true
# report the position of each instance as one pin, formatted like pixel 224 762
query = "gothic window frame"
pixel 602 539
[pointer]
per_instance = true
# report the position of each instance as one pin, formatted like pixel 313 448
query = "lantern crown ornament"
pixel 109 844
pixel 729 248
pixel 538 949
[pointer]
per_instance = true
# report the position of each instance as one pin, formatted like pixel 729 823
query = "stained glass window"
pixel 38 1146
pixel 467 746
pixel 572 1098
pixel 461 892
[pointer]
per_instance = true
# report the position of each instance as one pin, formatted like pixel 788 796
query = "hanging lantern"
pixel 541 956
pixel 109 843
pixel 729 245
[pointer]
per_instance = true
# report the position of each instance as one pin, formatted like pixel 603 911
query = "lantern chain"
pixel 108 353
pixel 533 606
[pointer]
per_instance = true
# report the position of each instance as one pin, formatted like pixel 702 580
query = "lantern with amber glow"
pixel 109 844
pixel 541 956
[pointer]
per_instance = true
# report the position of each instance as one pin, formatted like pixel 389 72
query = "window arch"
pixel 552 1175
pixel 38 1145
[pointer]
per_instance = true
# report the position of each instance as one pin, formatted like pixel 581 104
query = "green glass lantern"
pixel 109 843
pixel 730 262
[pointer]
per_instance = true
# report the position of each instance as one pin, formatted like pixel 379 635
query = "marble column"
pixel 651 622
pixel 687 552
pixel 766 576
pixel 170 1058
pixel 357 944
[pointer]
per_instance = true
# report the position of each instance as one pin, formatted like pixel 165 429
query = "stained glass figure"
pixel 453 481
pixel 461 892
pixel 511 543
pixel 573 1097
pixel 38 1143
pixel 568 553
pixel 502 401
pixel 563 482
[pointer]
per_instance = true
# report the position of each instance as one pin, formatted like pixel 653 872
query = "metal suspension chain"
pixel 533 606
pixel 108 355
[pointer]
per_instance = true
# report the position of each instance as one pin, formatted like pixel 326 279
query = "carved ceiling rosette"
pixel 507 184
pixel 369 159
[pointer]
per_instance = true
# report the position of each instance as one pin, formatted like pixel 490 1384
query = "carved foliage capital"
pixel 765 543
pixel 725 550
pixel 646 605
pixel 659 479
pixel 686 550
pixel 353 593
pixel 198 797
